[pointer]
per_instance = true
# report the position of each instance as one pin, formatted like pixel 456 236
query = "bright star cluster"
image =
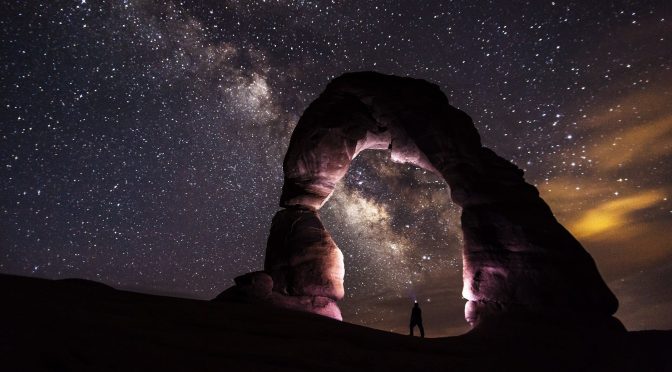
pixel 141 142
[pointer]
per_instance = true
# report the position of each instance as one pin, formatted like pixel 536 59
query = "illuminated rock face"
pixel 302 258
pixel 517 257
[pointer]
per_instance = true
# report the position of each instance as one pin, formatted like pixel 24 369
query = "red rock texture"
pixel 301 256
pixel 517 257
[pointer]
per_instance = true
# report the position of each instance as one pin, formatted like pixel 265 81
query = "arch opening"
pixel 400 237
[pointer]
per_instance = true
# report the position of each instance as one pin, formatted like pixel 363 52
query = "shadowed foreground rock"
pixel 84 326
pixel 518 260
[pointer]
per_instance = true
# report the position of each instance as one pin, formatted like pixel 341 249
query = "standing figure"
pixel 416 319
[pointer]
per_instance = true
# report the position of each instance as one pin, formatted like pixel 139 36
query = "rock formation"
pixel 517 257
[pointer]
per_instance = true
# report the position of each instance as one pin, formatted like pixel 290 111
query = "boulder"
pixel 251 287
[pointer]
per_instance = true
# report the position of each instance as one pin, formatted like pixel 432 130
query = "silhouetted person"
pixel 416 319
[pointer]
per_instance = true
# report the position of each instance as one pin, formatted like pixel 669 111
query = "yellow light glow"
pixel 595 222
pixel 611 215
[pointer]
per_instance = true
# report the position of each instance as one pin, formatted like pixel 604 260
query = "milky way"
pixel 141 142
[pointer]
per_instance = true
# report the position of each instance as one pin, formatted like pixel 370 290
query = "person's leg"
pixel 412 325
pixel 422 330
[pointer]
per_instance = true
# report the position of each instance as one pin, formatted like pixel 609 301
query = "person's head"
pixel 416 304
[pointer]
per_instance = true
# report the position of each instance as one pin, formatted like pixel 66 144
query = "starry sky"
pixel 141 142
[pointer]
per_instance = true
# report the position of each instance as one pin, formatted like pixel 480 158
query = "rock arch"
pixel 516 259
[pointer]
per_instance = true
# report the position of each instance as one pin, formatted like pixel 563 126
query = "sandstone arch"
pixel 516 259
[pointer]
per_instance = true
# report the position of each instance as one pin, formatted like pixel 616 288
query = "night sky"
pixel 141 142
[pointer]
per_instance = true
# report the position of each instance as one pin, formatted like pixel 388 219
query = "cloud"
pixel 606 220
pixel 620 189
pixel 617 201
pixel 629 130
pixel 634 146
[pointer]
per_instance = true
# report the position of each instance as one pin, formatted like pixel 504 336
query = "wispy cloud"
pixel 632 147
pixel 605 220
